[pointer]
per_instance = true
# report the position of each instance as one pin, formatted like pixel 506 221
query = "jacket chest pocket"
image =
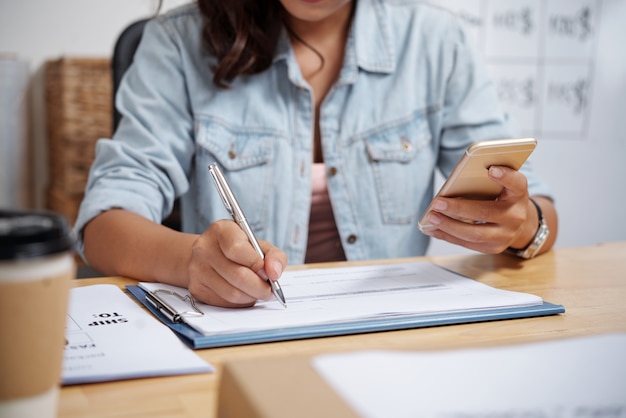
pixel 245 158
pixel 402 165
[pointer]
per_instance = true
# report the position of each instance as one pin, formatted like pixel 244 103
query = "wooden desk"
pixel 589 281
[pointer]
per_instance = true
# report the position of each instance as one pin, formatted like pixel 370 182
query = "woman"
pixel 329 118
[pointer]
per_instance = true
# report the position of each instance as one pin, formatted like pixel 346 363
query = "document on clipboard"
pixel 340 301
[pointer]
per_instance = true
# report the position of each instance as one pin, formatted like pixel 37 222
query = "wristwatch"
pixel 538 240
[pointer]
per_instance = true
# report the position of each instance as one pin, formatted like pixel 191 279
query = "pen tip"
pixel 278 292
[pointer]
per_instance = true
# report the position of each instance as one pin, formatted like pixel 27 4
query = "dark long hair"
pixel 241 34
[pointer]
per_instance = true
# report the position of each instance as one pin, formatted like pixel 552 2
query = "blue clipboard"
pixel 197 340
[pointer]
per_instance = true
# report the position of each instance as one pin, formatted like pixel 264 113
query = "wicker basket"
pixel 64 203
pixel 79 112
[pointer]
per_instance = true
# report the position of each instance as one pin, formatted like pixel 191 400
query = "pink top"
pixel 324 241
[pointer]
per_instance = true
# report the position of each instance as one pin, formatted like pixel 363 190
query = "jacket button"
pixel 406 145
pixel 232 154
pixel 332 171
pixel 352 239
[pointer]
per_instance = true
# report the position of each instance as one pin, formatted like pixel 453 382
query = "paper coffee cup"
pixel 36 266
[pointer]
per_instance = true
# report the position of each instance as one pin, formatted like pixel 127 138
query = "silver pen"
pixel 230 202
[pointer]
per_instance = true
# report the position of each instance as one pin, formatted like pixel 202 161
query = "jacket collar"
pixel 371 34
pixel 369 46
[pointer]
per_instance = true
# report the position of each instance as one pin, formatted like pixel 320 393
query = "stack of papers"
pixel 110 337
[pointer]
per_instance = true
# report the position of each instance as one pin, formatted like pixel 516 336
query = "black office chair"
pixel 123 53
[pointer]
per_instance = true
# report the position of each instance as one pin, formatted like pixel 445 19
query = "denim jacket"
pixel 410 97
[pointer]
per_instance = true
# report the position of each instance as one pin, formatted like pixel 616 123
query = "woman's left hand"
pixel 488 226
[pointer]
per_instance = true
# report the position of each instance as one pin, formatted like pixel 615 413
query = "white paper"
pixel 322 296
pixel 110 337
pixel 582 377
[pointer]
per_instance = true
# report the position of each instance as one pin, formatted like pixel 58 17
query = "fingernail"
pixel 277 267
pixel 262 274
pixel 434 219
pixel 496 172
pixel 440 205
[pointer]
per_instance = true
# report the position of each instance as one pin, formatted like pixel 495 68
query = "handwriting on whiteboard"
pixel 540 55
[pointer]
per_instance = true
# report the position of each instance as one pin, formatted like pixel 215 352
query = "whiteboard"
pixel 559 67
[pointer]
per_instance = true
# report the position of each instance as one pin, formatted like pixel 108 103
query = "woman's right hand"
pixel 225 270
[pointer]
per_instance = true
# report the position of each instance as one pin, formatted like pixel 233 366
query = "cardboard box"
pixel 282 387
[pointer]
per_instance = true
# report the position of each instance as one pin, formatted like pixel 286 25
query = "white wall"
pixel 39 30
pixel 586 169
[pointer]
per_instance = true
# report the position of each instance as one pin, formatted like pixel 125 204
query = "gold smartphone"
pixel 469 178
